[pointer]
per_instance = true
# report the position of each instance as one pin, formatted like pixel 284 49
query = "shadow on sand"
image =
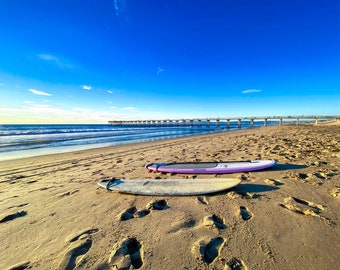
pixel 245 189
pixel 286 167
pixel 256 188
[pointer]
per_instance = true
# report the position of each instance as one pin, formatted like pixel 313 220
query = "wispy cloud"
pixel 43 109
pixel 248 91
pixel 113 107
pixel 119 6
pixel 55 60
pixel 110 91
pixel 159 70
pixel 37 92
pixel 86 87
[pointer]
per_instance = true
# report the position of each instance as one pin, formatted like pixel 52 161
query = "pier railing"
pixel 210 122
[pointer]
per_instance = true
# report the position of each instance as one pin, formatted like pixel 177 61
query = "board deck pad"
pixel 170 187
pixel 212 167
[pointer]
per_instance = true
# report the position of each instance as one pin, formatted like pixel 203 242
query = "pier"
pixel 217 122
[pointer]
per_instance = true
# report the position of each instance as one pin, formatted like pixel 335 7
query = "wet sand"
pixel 54 216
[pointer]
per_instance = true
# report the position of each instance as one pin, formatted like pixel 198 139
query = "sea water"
pixel 19 141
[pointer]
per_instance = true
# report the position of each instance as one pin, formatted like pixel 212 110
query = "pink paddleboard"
pixel 212 167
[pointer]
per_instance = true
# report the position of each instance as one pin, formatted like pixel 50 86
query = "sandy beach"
pixel 53 215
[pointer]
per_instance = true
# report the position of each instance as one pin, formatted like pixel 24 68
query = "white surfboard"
pixel 170 187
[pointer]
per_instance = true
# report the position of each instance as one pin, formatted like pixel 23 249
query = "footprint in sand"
pixel 202 200
pixel 79 246
pixel 82 234
pixel 13 216
pixel 158 205
pixel 75 254
pixel 266 249
pixel 248 195
pixel 132 212
pixel 142 213
pixel 245 213
pixel 273 182
pixel 304 207
pixel 214 220
pixel 211 250
pixel 336 192
pixel 128 213
pixel 127 255
pixel 235 264
pixel 182 225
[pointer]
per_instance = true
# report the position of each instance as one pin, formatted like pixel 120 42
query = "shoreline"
pixel 41 151
pixel 53 215
pixel 122 145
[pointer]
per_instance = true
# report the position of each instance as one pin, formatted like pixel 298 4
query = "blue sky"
pixel 82 61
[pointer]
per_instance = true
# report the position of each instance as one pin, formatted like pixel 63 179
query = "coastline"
pixel 54 216
pixel 22 141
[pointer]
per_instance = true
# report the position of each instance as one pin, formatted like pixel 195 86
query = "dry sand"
pixel 53 215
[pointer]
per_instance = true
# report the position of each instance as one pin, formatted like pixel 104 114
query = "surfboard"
pixel 170 187
pixel 212 167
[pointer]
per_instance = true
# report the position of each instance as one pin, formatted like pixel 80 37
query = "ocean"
pixel 20 141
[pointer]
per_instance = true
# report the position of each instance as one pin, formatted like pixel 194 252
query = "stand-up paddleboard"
pixel 170 187
pixel 212 167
